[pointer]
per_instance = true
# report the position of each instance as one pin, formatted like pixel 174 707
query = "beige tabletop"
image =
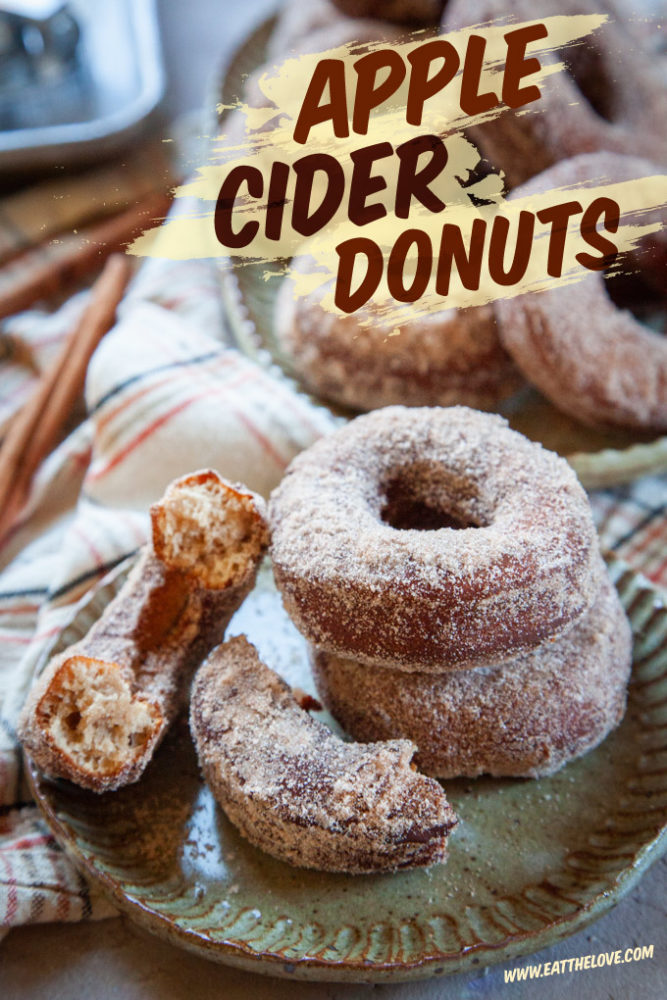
pixel 112 959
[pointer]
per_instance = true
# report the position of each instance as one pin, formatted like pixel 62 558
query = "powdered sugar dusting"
pixel 527 717
pixel 362 361
pixel 299 792
pixel 432 599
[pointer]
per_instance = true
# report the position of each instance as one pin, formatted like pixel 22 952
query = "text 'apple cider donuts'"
pixel 511 557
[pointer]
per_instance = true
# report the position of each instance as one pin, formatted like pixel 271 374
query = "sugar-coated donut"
pixel 403 11
pixel 610 96
pixel 359 580
pixel 299 792
pixel 296 20
pixel 319 25
pixel 590 358
pixel 523 719
pixel 365 362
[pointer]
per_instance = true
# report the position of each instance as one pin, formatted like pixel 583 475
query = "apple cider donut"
pixel 100 708
pixel 523 719
pixel 609 96
pixel 316 26
pixel 417 12
pixel 296 20
pixel 593 360
pixel 296 790
pixel 363 362
pixel 313 38
pixel 359 578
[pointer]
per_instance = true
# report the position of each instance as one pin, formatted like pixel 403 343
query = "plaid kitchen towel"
pixel 165 394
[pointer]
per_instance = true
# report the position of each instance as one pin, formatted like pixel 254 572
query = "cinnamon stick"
pixel 37 427
pixel 46 271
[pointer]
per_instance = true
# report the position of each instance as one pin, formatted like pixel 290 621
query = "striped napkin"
pixel 165 394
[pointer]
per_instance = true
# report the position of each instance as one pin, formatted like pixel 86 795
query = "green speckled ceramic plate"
pixel 530 862
pixel 599 457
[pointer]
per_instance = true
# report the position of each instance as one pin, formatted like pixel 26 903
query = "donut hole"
pixel 587 66
pixel 405 508
pixel 639 289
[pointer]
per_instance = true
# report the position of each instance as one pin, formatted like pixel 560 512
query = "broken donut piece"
pixel 296 790
pixel 101 707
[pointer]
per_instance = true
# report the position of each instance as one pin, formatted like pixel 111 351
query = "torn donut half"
pixel 100 708
pixel 297 791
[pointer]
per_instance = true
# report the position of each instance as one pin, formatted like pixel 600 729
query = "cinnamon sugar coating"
pixel 522 564
pixel 453 356
pixel 296 790
pixel 100 708
pixel 590 358
pixel 523 719
pixel 610 96
pixel 402 11
pixel 320 25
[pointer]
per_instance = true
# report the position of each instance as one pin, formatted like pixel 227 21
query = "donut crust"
pixel 422 12
pixel 593 360
pixel 316 26
pixel 297 791
pixel 524 719
pixel 100 708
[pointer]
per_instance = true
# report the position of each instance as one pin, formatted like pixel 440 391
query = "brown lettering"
pixel 396 266
pixel 522 249
pixel 468 264
pixel 328 73
pixel 415 183
pixel 252 178
pixel 472 102
pixel 370 94
pixel 305 221
pixel 421 86
pixel 559 217
pixel 517 66
pixel 276 200
pixel 363 185
pixel 345 299
pixel 610 211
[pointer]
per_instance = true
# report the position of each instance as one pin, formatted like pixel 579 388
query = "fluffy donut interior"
pixel 208 529
pixel 90 714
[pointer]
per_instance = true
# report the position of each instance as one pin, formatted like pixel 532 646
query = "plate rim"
pixel 307 968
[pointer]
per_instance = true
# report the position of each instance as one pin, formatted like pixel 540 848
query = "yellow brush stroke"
pixel 640 200
pixel 265 134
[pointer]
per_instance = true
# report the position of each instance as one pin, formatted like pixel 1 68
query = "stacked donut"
pixel 446 573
